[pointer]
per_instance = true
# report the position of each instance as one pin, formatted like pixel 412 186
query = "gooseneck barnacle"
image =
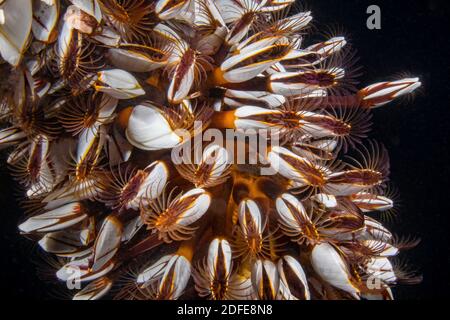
pixel 104 104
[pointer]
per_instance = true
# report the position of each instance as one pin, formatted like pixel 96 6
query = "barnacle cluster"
pixel 96 94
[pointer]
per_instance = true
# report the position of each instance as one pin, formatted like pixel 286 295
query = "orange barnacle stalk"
pixel 195 148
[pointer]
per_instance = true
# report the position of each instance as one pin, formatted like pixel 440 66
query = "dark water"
pixel 413 39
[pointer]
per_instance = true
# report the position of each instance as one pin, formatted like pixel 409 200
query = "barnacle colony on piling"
pixel 95 96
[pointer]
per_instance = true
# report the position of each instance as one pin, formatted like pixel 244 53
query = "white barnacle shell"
pixel 65 38
pixel 293 280
pixel 79 270
pixel 91 7
pixel 45 19
pixel 381 93
pixel 287 164
pixel 156 176
pixel 149 129
pixel 175 278
pixel 167 9
pixel 118 84
pixel 213 278
pixel 171 273
pixel 265 279
pixel 285 84
pixel 237 98
pixel 153 272
pixel 156 180
pixel 241 67
pixel 245 117
pixel 217 157
pixel 295 22
pixel 230 10
pixel 69 242
pixel 292 211
pixel 94 290
pixel 173 221
pixel 250 218
pixel 210 44
pixel 381 268
pixel 55 220
pixel 276 5
pixel 368 202
pixel 328 47
pixel 382 249
pixel 332 268
pixel 329 201
pixel 107 242
pixel 374 230
pixel 15 27
pixel 219 257
pixel 133 61
pixel 184 75
pixel 199 201
pixel 10 136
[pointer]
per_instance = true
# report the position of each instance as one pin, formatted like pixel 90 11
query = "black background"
pixel 414 39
